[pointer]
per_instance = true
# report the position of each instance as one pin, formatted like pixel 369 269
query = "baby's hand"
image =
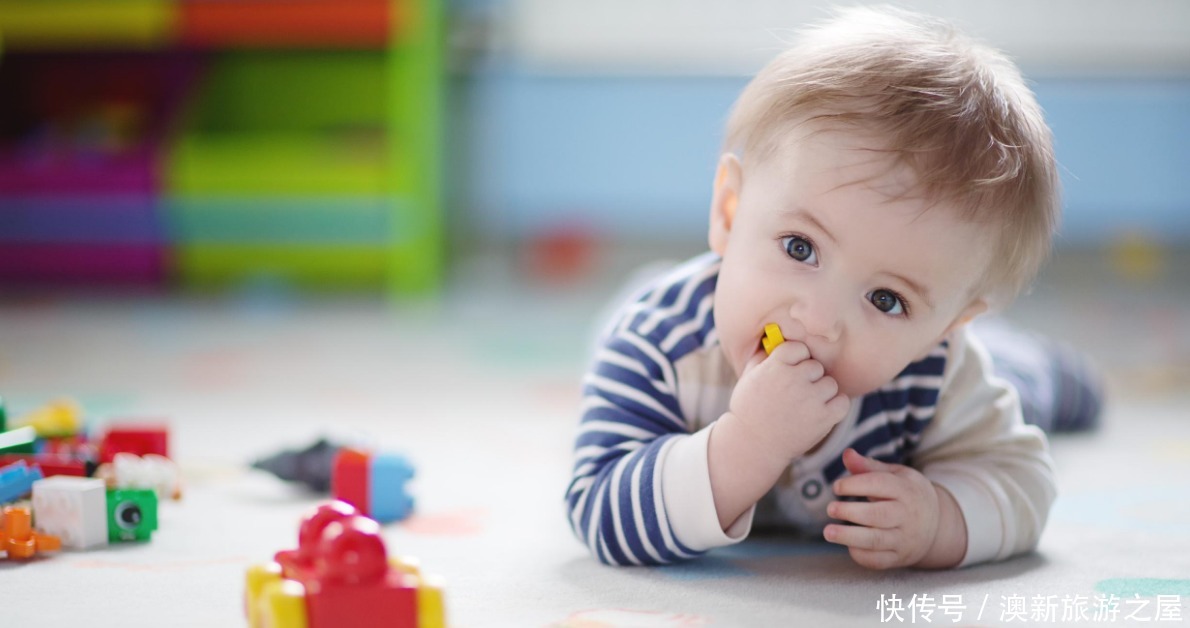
pixel 897 527
pixel 787 400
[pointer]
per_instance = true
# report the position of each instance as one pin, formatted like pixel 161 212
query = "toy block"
pixel 16 480
pixel 772 338
pixel 19 441
pixel 3 417
pixel 349 478
pixel 375 484
pixel 297 562
pixel 75 447
pixel 283 605
pixel 51 464
pixel 354 585
pixel 17 537
pixel 341 575
pixel 431 606
pixel 150 471
pixel 310 466
pixel 258 578
pixel 63 417
pixel 387 496
pixel 131 514
pixel 139 439
pixel 73 509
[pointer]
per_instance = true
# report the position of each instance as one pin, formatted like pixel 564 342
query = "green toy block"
pixel 18 441
pixel 131 514
pixel 3 417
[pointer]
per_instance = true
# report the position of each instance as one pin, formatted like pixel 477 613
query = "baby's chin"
pixel 854 388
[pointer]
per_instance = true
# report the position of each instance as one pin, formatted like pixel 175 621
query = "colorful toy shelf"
pixel 306 149
pixel 280 172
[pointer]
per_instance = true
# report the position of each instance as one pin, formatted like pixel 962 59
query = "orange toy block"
pixel 17 537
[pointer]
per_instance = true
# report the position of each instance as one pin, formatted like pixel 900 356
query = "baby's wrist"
pixel 750 441
pixel 949 544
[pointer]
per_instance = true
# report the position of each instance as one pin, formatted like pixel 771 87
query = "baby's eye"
pixel 887 301
pixel 800 249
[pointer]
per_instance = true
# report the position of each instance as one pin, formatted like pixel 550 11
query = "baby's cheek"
pixel 859 376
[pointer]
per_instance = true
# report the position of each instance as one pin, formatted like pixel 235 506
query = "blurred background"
pixel 386 146
pixel 515 160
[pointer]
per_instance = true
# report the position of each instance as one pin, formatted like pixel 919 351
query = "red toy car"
pixel 341 575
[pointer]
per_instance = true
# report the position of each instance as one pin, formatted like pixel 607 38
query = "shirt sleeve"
pixel 979 449
pixel 636 463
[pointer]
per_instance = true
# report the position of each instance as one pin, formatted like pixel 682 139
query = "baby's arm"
pixel 630 423
pixel 997 469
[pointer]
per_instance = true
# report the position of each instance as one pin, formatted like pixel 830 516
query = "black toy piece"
pixel 310 466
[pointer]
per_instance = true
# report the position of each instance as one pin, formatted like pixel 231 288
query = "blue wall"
pixel 635 156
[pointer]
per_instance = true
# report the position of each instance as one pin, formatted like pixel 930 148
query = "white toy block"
pixel 72 508
pixel 150 471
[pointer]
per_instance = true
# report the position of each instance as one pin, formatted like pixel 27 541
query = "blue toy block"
pixel 388 498
pixel 16 480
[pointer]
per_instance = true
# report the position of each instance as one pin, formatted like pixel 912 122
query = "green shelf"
pixel 287 164
pixel 213 265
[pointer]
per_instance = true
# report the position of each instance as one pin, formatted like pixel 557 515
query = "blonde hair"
pixel 957 111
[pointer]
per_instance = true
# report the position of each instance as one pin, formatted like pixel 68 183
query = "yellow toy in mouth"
pixel 772 338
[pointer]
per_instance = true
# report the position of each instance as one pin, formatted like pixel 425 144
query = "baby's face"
pixel 816 245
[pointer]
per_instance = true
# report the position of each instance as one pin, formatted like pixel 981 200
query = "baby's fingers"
pixel 881 514
pixel 791 352
pixel 861 537
pixel 876 484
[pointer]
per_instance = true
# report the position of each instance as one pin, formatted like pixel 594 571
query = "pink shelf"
pixel 83 263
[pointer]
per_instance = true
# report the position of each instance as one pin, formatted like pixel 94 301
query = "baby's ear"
pixel 724 200
pixel 968 314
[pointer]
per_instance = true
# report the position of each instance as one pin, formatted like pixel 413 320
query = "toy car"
pixel 341 575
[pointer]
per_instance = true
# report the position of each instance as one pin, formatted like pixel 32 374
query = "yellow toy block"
pixel 56 419
pixel 258 577
pixel 284 605
pixel 772 338
pixel 431 606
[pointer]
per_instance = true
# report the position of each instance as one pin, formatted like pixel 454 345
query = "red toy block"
pixel 297 563
pixel 51 464
pixel 349 478
pixel 134 438
pixel 77 447
pixel 354 585
pixel 341 575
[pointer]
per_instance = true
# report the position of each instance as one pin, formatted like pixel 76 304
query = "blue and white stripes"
pixel 630 416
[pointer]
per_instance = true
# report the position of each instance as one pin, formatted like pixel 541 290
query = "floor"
pixel 479 390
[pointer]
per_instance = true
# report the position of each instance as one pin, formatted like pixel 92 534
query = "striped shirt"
pixel 638 493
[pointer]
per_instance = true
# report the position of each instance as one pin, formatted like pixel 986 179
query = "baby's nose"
pixel 819 319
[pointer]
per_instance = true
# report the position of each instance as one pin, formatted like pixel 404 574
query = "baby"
pixel 883 183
